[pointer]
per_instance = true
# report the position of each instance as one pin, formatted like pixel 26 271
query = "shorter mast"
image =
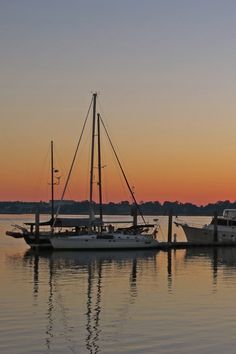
pixel 52 183
pixel 99 168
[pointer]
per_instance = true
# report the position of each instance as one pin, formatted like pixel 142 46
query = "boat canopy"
pixel 229 213
pixel 69 222
pixel 86 222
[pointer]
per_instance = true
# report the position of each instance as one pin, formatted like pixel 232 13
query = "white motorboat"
pixel 221 228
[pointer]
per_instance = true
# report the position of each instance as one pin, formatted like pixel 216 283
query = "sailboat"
pixel 94 233
pixel 90 232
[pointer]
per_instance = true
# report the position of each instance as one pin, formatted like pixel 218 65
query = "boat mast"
pixel 92 156
pixel 52 182
pixel 99 167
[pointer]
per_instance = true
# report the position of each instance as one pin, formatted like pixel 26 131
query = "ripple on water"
pixel 117 302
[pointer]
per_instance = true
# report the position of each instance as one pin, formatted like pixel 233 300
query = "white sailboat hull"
pixel 119 241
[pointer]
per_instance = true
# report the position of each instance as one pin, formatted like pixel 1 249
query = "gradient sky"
pixel 166 77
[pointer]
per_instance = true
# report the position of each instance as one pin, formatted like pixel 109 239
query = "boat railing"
pixel 180 222
pixel 19 227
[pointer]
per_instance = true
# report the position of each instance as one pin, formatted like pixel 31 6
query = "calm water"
pixel 116 302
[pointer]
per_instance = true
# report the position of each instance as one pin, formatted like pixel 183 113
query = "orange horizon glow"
pixel 166 91
pixel 169 183
pixel 160 170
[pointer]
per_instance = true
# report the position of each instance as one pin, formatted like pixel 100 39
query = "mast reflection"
pixel 49 330
pixel 57 264
pixel 93 314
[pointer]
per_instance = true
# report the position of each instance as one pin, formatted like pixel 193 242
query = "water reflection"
pixel 36 275
pixel 50 309
pixel 93 314
pixel 215 267
pixel 223 256
pixel 169 270
pixel 91 302
pixel 220 257
pixel 92 264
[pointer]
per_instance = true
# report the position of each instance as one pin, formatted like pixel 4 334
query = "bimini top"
pixel 69 222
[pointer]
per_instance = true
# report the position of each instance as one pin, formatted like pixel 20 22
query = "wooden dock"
pixel 183 245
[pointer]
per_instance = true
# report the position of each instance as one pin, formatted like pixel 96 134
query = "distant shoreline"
pixel 121 208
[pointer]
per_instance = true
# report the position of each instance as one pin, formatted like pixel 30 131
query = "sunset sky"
pixel 165 72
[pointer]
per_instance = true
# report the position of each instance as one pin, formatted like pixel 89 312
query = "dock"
pixel 185 244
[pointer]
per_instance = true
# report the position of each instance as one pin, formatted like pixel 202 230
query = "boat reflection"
pixel 220 257
pixel 91 264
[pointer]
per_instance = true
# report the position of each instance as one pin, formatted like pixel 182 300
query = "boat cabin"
pixel 229 213
pixel 228 218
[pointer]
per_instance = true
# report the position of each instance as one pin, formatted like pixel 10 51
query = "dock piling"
pixel 170 226
pixel 215 232
pixel 37 225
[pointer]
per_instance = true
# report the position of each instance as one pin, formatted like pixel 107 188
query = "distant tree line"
pixel 121 208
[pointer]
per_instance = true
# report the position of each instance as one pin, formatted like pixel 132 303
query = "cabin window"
pixel 222 222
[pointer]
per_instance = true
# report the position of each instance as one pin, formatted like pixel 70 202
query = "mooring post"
pixel 37 225
pixel 134 213
pixel 170 226
pixel 215 232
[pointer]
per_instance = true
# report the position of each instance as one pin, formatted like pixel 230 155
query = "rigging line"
pixel 123 173
pixel 73 162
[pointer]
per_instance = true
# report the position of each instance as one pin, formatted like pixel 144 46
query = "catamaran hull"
pixel 206 235
pixel 86 244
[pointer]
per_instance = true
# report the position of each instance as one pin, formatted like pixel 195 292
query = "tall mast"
pixel 99 167
pixel 92 155
pixel 52 183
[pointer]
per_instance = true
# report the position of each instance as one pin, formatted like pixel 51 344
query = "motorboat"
pixel 221 229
